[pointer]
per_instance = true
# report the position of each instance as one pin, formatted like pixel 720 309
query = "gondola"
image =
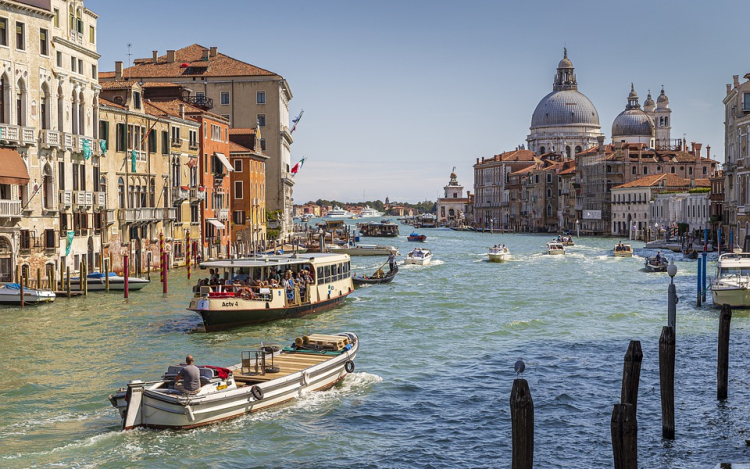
pixel 375 279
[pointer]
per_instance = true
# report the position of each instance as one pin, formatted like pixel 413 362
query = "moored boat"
pixel 97 281
pixel 414 236
pixel 338 212
pixel 499 254
pixel 264 377
pixel 731 286
pixel 10 294
pixel 260 291
pixel 554 248
pixel 419 256
pixel 364 249
pixel 382 229
pixel 657 263
pixel 622 250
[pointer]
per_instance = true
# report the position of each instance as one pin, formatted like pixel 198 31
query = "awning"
pixel 12 168
pixel 225 161
pixel 216 223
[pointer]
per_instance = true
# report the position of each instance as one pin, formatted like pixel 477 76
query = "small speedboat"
pixel 264 377
pixel 690 253
pixel 10 294
pixel 566 240
pixel 416 237
pixel 555 249
pixel 731 286
pixel 97 281
pixel 419 257
pixel 377 278
pixel 656 264
pixel 500 254
pixel 622 250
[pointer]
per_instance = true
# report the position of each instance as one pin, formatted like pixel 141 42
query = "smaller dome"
pixel 633 94
pixel 453 176
pixel 632 123
pixel 565 62
pixel 648 102
pixel 662 99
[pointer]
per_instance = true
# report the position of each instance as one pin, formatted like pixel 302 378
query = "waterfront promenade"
pixel 432 382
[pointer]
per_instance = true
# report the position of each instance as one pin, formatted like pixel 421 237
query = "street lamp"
pixel 656 228
pixel 672 297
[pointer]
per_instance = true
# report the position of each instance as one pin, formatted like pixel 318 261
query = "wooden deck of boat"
pixel 288 363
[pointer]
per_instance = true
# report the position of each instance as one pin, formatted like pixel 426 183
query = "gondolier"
pixel 391 260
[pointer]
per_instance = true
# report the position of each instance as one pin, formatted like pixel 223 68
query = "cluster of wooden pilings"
pixel 624 422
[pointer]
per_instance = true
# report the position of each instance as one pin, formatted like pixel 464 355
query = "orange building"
pixel 248 196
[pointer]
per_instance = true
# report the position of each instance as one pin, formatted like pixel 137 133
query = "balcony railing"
pixel 169 213
pixel 66 198
pixel 176 142
pixel 193 145
pixel 223 214
pixel 28 136
pixel 179 194
pixel 10 133
pixel 67 141
pixel 10 208
pixel 200 101
pixel 84 198
pixel 110 216
pixel 49 138
pixel 100 199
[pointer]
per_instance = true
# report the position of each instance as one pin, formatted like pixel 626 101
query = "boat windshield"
pixel 726 271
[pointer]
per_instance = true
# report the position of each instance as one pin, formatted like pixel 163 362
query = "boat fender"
pixel 305 378
pixel 190 414
pixel 305 340
pixel 298 341
pixel 257 393
pixel 349 366
pixel 268 305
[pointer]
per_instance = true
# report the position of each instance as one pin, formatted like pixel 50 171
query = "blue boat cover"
pixel 13 286
pixel 100 275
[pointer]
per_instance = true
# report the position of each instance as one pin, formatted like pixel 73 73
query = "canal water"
pixel 432 381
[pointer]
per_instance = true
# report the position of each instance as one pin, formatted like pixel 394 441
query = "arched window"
pixel 60 110
pixel 549 178
pixel 79 22
pixel 567 151
pixel 81 115
pixel 705 170
pixel 21 96
pixel 71 18
pixel 4 88
pixel 549 192
pixel 48 189
pixel 578 149
pixel 666 121
pixel 74 100
pixel 549 210
pixel 44 117
pixel 541 150
pixel 153 192
pixel 121 192
pixel 95 122
pixel 609 168
pixel 632 171
pixel 673 170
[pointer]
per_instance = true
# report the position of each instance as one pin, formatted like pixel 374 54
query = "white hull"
pixel 147 406
pixel 738 297
pixel 418 260
pixel 30 297
pixel 498 256
pixel 115 284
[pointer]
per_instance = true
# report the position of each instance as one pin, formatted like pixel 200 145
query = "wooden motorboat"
pixel 500 254
pixel 264 377
pixel 656 263
pixel 382 229
pixel 555 249
pixel 416 237
pixel 419 256
pixel 377 278
pixel 622 250
pixel 690 253
pixel 10 294
pixel 225 306
pixel 97 281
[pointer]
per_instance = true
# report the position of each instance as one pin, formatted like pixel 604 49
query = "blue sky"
pixel 396 93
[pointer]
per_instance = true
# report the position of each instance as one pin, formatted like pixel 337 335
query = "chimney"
pixel 214 51
pixel 729 88
pixel 182 111
pixel 477 160
pixel 736 80
pixel 205 55
pixel 170 56
pixel 118 70
pixel 156 56
pixel 708 152
pixel 692 148
pixel 697 147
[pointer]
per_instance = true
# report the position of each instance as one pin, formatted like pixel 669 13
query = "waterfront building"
pixel 736 162
pixel 492 197
pixel 248 182
pixel 310 209
pixel 451 208
pixel 244 95
pixel 565 120
pixel 717 201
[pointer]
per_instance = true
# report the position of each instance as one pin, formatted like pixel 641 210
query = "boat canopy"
pixel 271 261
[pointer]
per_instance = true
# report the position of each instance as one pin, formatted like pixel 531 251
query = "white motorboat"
pixel 97 281
pixel 338 212
pixel 555 249
pixel 10 294
pixel 305 219
pixel 731 286
pixel 364 249
pixel 265 377
pixel 622 250
pixel 369 212
pixel 499 254
pixel 656 263
pixel 419 256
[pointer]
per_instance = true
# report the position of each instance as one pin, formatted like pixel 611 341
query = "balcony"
pixel 84 198
pixel 66 199
pixel 179 195
pixel 110 216
pixel 49 138
pixel 193 145
pixel 100 199
pixel 176 142
pixel 28 136
pixel 138 215
pixel 67 141
pixel 77 143
pixel 10 133
pixel 200 101
pixel 223 214
pixel 10 208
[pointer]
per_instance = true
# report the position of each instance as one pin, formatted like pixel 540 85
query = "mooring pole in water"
pixel 187 254
pixel 161 255
pixel 631 374
pixel 125 274
pixel 21 290
pixel 700 268
pixel 666 381
pixel 722 373
pixel 67 280
pixel 522 422
pixel 106 277
pixel 624 427
pixel 166 273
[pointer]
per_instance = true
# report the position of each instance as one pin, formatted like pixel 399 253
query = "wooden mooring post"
pixel 624 427
pixel 38 278
pixel 106 277
pixel 522 420
pixel 125 274
pixel 67 280
pixel 722 371
pixel 20 282
pixel 631 374
pixel 666 381
pixel 84 277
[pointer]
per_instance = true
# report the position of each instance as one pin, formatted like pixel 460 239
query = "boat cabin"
pixel 383 229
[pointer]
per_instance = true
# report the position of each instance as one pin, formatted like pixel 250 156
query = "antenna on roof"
pixel 129 54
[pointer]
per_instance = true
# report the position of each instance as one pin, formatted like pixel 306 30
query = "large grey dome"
pixel 566 107
pixel 632 122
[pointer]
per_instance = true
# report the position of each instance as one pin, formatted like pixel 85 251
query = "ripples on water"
pixel 432 380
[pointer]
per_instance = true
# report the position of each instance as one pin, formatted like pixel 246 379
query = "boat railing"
pixel 246 292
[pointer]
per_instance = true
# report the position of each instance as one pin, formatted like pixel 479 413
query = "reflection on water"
pixel 432 380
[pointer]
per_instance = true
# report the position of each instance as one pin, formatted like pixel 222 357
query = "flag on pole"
pixel 296 121
pixel 299 164
pixel 132 160
pixel 86 149
pixel 103 145
pixel 70 236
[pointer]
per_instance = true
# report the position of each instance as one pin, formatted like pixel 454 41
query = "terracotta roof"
pixel 105 102
pixel 236 147
pixel 172 108
pixel 117 85
pixel 242 131
pixel 667 180
pixel 160 84
pixel 219 66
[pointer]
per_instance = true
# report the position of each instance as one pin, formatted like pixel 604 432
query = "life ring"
pixel 349 366
pixel 257 393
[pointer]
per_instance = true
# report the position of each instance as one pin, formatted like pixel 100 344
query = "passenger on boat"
pixel 289 285
pixel 214 276
pixel 190 376
pixel 391 260
pixel 504 249
pixel 658 257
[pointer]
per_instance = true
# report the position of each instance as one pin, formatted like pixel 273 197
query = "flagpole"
pixel 296 121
